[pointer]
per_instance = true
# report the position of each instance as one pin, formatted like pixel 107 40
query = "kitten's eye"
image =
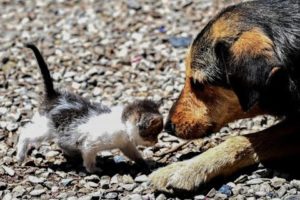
pixel 196 84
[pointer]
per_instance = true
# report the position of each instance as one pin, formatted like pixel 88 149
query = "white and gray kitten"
pixel 84 128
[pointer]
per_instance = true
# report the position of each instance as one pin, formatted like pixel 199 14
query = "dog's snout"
pixel 170 127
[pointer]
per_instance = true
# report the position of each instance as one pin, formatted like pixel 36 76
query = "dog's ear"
pixel 247 76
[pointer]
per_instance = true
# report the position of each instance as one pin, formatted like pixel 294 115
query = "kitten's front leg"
pixel 89 161
pixel 132 153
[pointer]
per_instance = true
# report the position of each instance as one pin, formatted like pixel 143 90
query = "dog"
pixel 245 62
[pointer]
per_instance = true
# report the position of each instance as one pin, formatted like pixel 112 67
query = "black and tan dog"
pixel 245 62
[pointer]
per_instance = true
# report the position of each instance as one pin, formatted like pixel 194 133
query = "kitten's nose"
pixel 170 127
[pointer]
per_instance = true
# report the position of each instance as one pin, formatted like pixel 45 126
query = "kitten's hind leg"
pixel 32 135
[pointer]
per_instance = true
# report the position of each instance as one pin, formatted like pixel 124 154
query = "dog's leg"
pixel 230 156
pixel 32 135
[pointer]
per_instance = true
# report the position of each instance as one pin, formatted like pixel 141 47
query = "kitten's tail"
pixel 49 89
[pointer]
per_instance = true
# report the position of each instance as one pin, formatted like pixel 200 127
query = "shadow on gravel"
pixel 108 166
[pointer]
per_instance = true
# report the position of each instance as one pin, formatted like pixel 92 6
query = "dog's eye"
pixel 197 85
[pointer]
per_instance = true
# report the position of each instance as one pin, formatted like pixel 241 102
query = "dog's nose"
pixel 170 127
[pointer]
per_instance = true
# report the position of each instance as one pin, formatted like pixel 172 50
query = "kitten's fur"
pixel 84 128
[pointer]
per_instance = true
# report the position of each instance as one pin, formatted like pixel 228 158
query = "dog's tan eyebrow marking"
pixel 253 43
pixel 226 26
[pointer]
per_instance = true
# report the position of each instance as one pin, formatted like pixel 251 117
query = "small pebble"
pixel 292 197
pixel 254 181
pixel 8 170
pixel 66 181
pixel 142 178
pixel 111 195
pixel 35 180
pixel 226 189
pixel 135 197
pixel 277 182
pixel 180 42
pixel 161 197
pixel 18 191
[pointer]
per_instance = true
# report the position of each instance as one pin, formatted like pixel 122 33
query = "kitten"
pixel 84 128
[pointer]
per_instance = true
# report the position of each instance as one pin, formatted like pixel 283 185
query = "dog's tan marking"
pixel 253 43
pixel 226 26
pixel 188 63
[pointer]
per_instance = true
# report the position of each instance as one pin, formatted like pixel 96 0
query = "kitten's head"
pixel 143 121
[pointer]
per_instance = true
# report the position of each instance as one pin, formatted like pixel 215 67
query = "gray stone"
pixel 72 198
pixel 129 187
pixel 142 178
pixel 12 126
pixel 241 179
pixel 296 184
pixel 254 181
pixel 220 196
pixel 111 195
pixel 37 192
pixel 7 196
pixel 51 154
pixel 133 4
pixel 66 181
pixel 34 179
pixel 161 197
pixel 292 197
pixel 135 197
pixel 281 191
pixel 94 178
pixel 277 182
pixel 92 184
pixel 212 193
pixel 199 197
pixel 260 194
pixel 127 179
pixel 8 170
pixel 104 182
pixel 18 191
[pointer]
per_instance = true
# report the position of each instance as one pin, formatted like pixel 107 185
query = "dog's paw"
pixel 160 179
pixel 189 177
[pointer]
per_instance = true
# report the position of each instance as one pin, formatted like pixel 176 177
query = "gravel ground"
pixel 110 51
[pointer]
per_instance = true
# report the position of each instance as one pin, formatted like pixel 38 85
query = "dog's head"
pixel 229 66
